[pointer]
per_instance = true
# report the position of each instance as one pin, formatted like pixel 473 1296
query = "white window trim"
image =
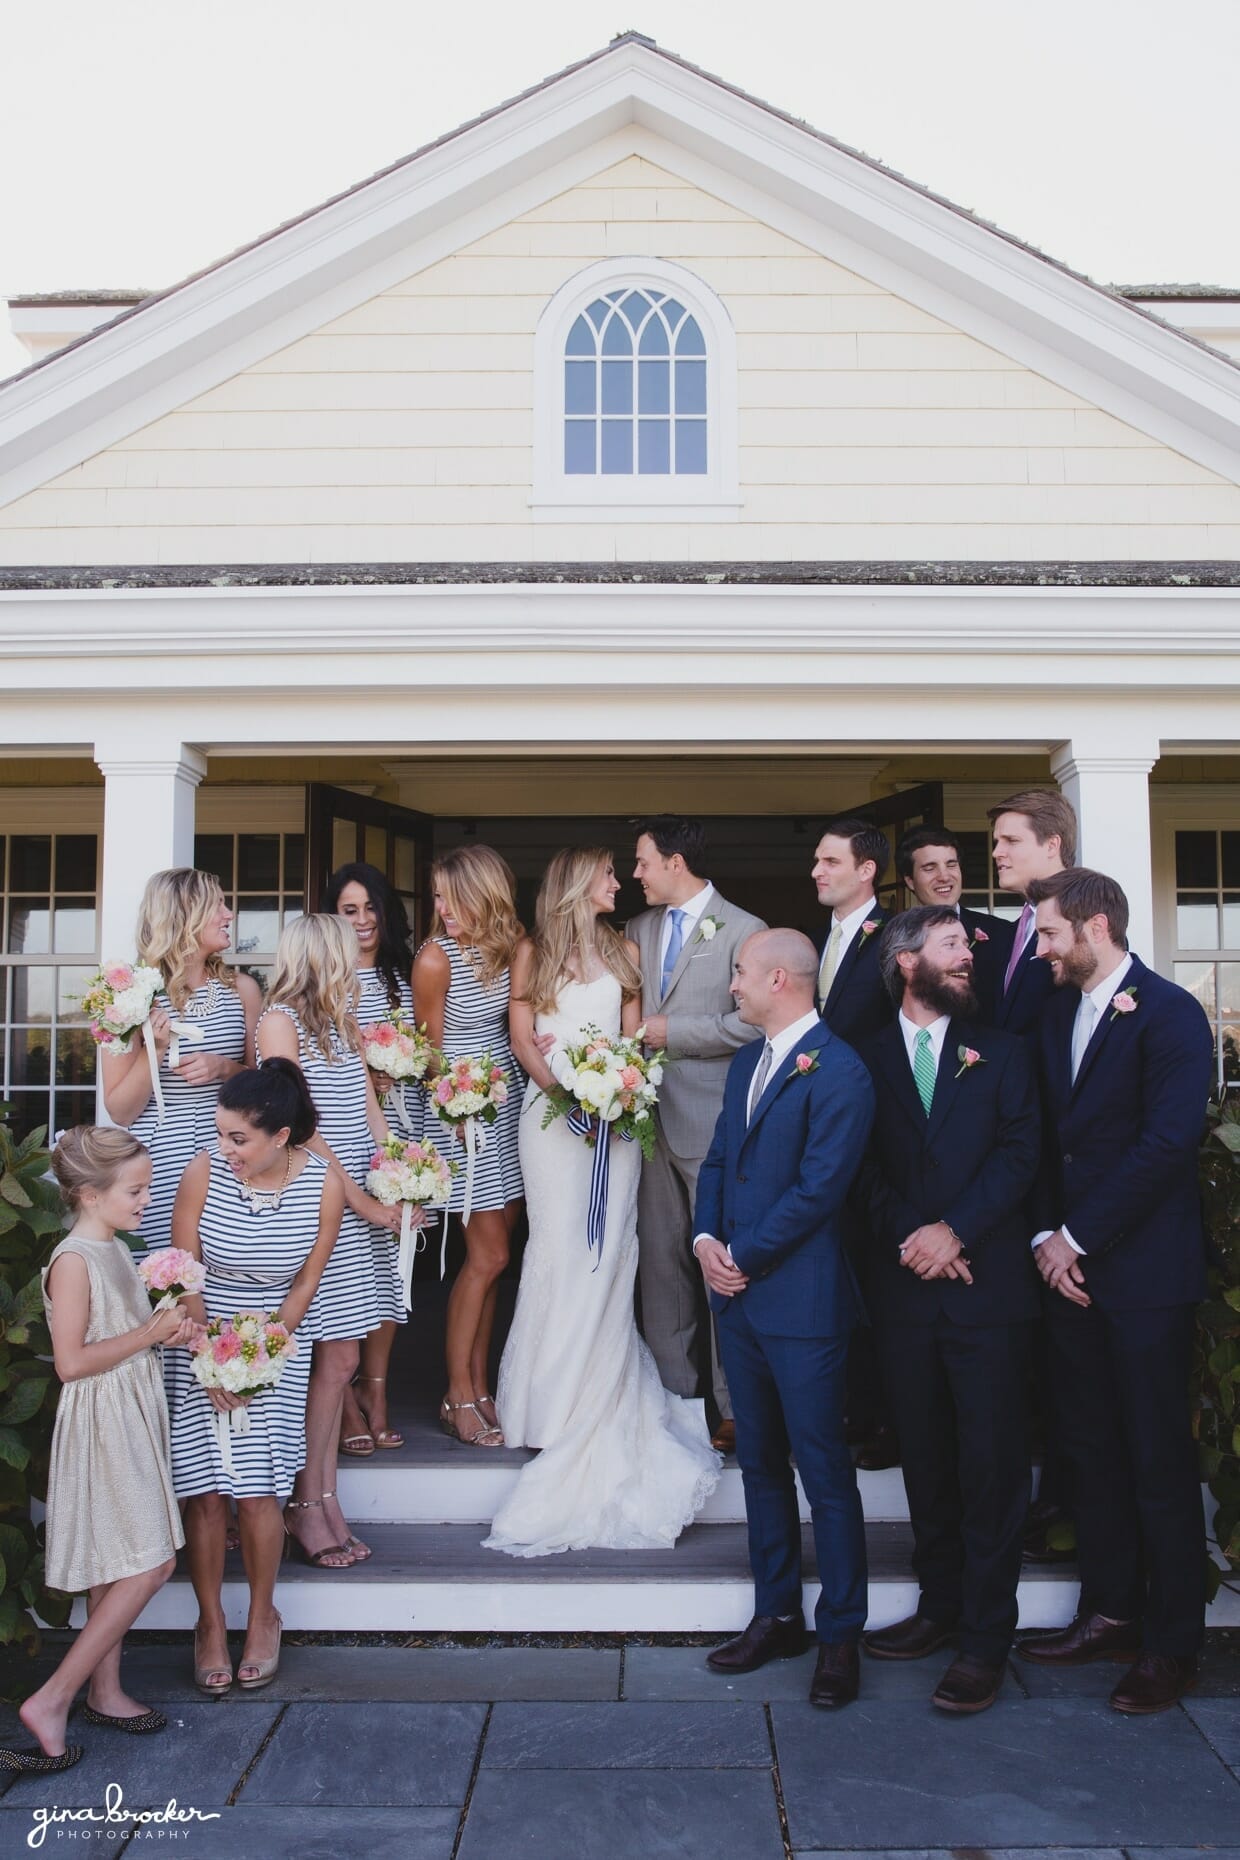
pixel 713 497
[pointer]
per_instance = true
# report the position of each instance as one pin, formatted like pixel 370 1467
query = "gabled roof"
pixel 179 342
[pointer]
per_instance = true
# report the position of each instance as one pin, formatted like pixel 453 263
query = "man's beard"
pixel 952 998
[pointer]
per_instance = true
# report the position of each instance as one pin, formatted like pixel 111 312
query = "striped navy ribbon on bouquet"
pixel 585 1123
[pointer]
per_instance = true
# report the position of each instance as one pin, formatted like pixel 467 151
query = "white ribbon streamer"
pixel 234 1421
pixel 186 1030
pixel 152 1060
pixel 474 1136
pixel 402 1108
pixel 412 1241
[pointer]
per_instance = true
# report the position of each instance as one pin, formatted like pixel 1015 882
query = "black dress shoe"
pixel 723 1440
pixel 837 1675
pixel 1154 1683
pixel 880 1451
pixel 766 1638
pixel 968 1685
pixel 1084 1640
pixel 911 1639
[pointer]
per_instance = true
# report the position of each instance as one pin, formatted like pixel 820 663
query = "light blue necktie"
pixel 675 943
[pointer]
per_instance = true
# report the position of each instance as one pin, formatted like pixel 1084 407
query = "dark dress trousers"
pixel 774 1190
pixel 990 943
pixel 956 1356
pixel 858 1003
pixel 1120 1172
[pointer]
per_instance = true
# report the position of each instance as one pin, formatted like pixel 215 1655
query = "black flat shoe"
pixel 138 1723
pixel 31 1761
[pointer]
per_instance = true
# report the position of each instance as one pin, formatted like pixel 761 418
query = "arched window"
pixel 635 383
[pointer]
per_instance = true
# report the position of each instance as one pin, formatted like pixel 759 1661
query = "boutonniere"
pixel 1125 1002
pixel 870 925
pixel 808 1062
pixel 979 936
pixel 968 1057
pixel 708 929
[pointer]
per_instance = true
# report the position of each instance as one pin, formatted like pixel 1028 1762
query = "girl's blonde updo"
pixel 92 1156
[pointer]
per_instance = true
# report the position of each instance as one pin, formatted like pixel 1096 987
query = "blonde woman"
pixel 309 1019
pixel 623 1463
pixel 184 927
pixel 461 991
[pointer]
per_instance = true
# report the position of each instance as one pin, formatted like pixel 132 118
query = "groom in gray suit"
pixel 688 940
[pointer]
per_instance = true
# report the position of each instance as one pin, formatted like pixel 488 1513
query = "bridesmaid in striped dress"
pixel 263 1214
pixel 461 988
pixel 310 1020
pixel 362 896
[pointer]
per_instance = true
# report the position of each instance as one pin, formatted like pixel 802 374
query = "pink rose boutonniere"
pixel 968 1057
pixel 979 936
pixel 807 1062
pixel 1125 1002
pixel 870 925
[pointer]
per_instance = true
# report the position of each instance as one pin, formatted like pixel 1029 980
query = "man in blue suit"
pixel 796 1114
pixel 1127 1063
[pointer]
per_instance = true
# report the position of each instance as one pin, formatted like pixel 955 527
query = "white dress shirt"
pixel 1100 998
pixel 850 925
pixel 781 1044
pixel 937 1031
pixel 693 909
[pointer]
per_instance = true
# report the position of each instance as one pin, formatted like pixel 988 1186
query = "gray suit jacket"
pixel 704 1029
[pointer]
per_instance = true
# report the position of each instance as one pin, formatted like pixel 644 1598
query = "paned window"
pixel 635 388
pixel 263 877
pixel 980 891
pixel 1207 934
pixel 48 952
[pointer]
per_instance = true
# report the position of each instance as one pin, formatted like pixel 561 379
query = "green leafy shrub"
pixel 1216 1368
pixel 31 1222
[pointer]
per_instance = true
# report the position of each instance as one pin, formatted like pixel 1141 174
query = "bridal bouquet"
pixel 243 1354
pixel 400 1052
pixel 606 1080
pixel 117 1002
pixel 467 1096
pixel 171 1274
pixel 413 1175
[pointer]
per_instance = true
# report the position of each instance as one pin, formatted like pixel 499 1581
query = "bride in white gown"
pixel 622 1463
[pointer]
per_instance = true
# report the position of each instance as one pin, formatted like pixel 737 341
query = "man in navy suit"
pixel 797 1110
pixel 953 1295
pixel 928 862
pixel 1127 1063
pixel 1035 837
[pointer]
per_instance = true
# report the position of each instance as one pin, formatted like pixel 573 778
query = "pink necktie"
pixel 1018 948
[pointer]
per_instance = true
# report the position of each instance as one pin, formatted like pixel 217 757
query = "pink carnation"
pixel 497 1073
pixel 118 975
pixel 383 1035
pixel 226 1346
pixel 443 1092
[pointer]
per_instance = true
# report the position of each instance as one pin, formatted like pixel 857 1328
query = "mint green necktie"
pixel 923 1070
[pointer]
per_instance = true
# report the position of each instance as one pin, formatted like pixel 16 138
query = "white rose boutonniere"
pixel 708 929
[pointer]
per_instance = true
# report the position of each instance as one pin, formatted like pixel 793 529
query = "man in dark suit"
pixel 1035 837
pixel 849 861
pixel 928 863
pixel 953 1295
pixel 796 1114
pixel 1127 1064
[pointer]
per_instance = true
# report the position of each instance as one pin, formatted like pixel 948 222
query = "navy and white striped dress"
pixel 189 1110
pixel 373 1007
pixel 360 1286
pixel 475 1021
pixel 252 1255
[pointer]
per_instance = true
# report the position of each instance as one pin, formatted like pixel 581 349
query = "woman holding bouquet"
pixel 263 1215
pixel 310 1020
pixel 362 896
pixel 623 1463
pixel 461 990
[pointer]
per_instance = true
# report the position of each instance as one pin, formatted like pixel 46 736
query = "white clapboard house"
pixel 632 448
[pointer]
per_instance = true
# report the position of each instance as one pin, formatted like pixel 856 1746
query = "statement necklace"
pixel 264 1198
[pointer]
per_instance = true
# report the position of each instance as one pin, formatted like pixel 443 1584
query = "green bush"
pixel 1216 1369
pixel 31 1222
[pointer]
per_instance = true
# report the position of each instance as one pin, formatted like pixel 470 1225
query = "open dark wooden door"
pixel 341 827
pixel 912 807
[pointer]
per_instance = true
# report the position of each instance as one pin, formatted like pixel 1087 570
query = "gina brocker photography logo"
pixel 115 1823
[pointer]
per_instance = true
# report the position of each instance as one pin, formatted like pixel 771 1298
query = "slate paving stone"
pixel 627 1737
pixel 1219 1721
pixel 682 1673
pixel 1218 1676
pixel 992 1853
pixel 199 1759
pixel 1053 1772
pixel 622 1815
pixel 372 1755
pixel 322 1833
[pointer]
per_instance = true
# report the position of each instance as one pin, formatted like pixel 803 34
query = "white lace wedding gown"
pixel 623 1463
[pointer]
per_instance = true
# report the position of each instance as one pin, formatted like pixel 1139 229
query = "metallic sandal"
pixel 486 1436
pixel 360 1552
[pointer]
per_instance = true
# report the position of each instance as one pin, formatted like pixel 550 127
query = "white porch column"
pixel 1111 795
pixel 148 825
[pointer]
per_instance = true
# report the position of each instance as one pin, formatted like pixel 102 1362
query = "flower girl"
pixel 112 1522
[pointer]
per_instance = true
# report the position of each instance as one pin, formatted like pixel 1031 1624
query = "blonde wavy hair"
pixel 316 974
pixel 482 892
pixel 567 928
pixel 91 1156
pixel 175 910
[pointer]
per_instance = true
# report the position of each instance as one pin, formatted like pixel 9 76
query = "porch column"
pixel 148 825
pixel 1111 795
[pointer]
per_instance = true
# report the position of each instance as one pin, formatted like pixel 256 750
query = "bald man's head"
pixel 773 978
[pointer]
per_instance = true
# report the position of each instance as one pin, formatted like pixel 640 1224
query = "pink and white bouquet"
pixel 243 1355
pixel 467 1096
pixel 400 1053
pixel 117 1002
pixel 606 1080
pixel 171 1274
pixel 413 1175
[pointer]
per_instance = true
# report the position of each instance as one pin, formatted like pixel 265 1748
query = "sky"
pixel 143 139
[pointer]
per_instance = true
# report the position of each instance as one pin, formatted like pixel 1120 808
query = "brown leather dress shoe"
pixel 766 1638
pixel 1154 1683
pixel 880 1451
pixel 911 1639
pixel 1086 1639
pixel 968 1685
pixel 723 1440
pixel 837 1674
